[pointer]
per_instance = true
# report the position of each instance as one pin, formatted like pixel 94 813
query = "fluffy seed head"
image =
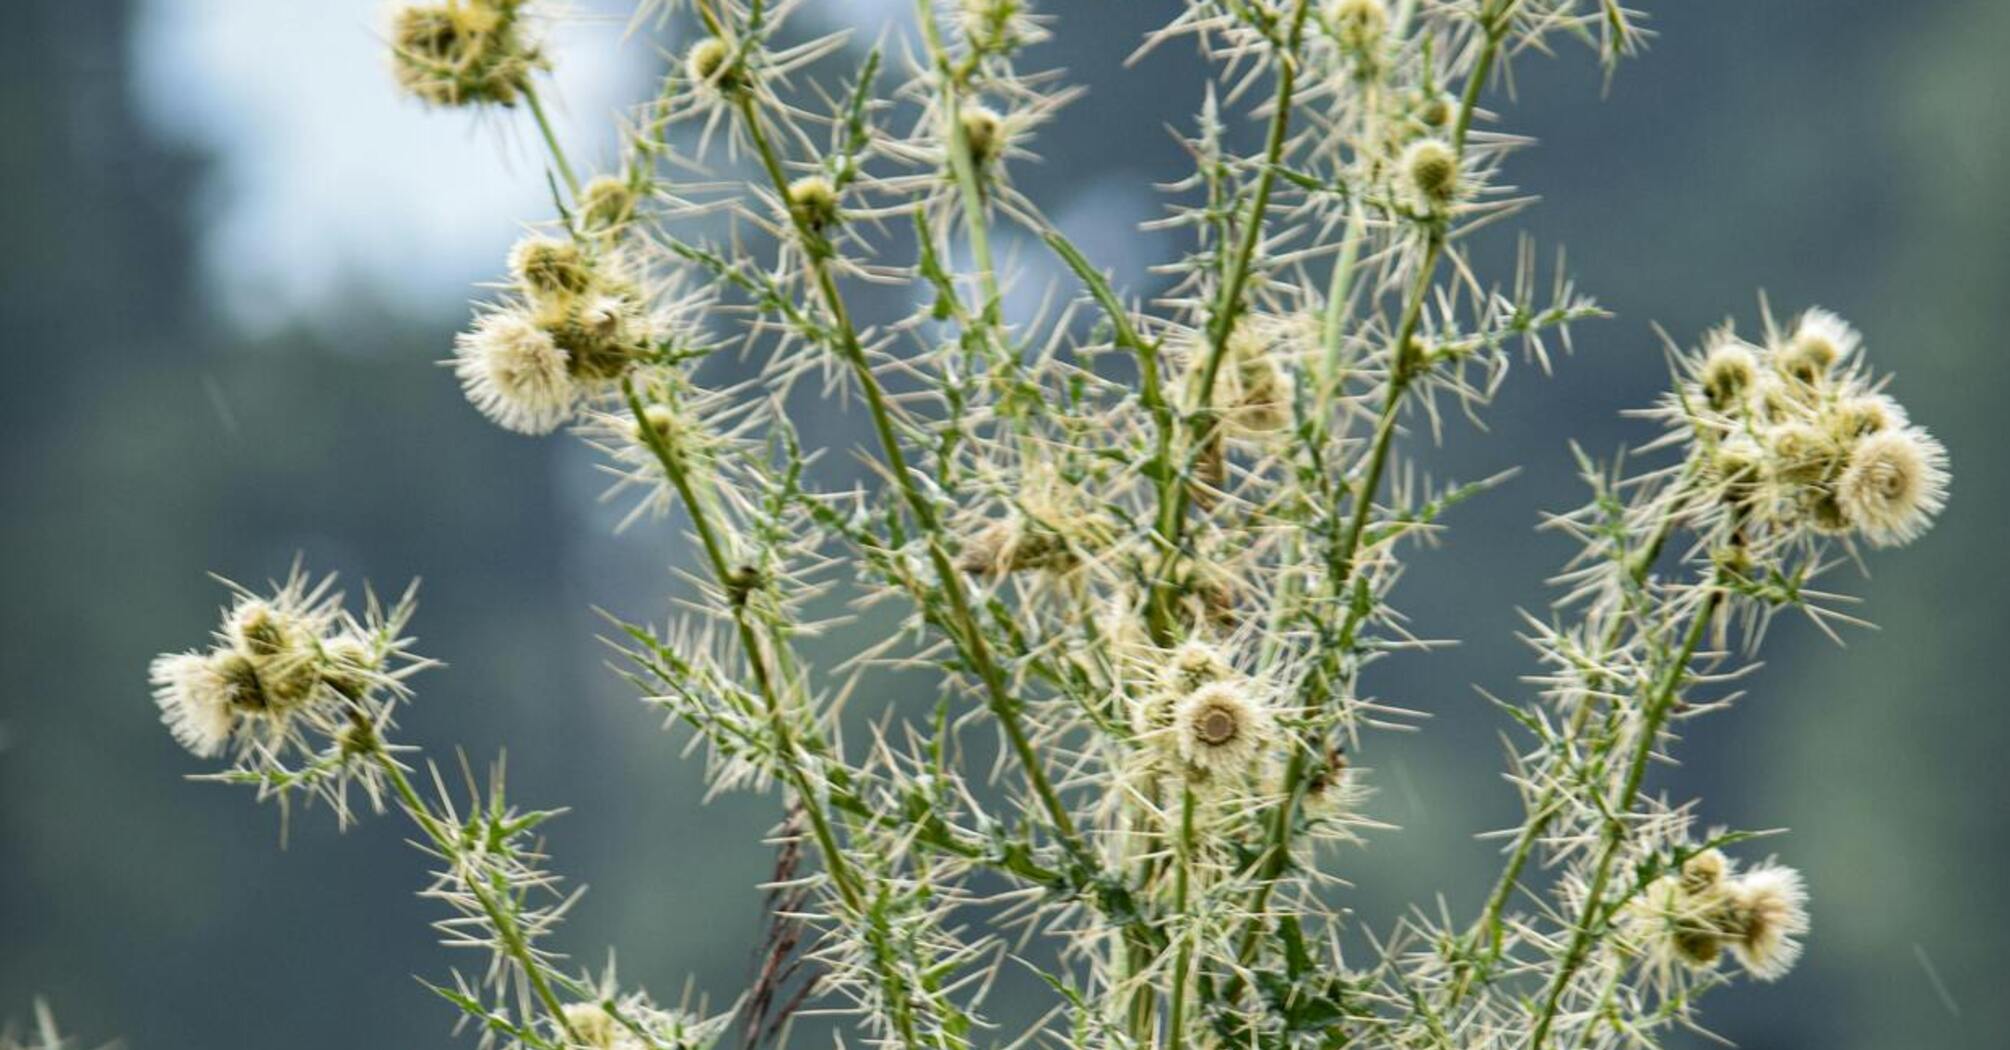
pixel 195 701
pixel 514 372
pixel 1896 481
pixel 1704 871
pixel 1865 414
pixel 1431 170
pixel 1768 915
pixel 595 1029
pixel 1221 729
pixel 1820 341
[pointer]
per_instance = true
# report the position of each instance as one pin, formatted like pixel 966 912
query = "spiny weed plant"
pixel 1146 546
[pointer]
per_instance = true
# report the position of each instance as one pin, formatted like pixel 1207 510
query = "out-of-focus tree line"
pixel 1846 155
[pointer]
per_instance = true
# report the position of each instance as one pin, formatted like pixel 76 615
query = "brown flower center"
pixel 1215 727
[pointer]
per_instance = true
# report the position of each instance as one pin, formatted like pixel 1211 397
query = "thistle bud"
pixel 1738 467
pixel 550 268
pixel 1801 453
pixel 1729 370
pixel 1704 870
pixel 984 132
pixel 995 27
pixel 595 1029
pixel 238 675
pixel 660 419
pixel 1435 110
pixel 1358 25
pixel 348 666
pixel 258 630
pixel 1431 170
pixel 607 202
pixel 713 68
pixel 813 202
pixel 1863 415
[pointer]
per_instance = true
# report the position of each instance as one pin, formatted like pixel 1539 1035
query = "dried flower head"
pixel 1767 916
pixel 1895 482
pixel 1863 415
pixel 1678 920
pixel 1820 341
pixel 1253 385
pixel 1729 369
pixel 195 696
pixel 1221 729
pixel 463 52
pixel 515 373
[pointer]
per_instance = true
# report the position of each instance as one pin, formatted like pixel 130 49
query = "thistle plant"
pixel 1146 546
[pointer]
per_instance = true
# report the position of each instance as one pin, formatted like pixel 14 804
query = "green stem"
pixel 963 165
pixel 966 630
pixel 1277 850
pixel 1227 309
pixel 514 944
pixel 724 573
pixel 1653 718
pixel 1183 962
pixel 1544 812
pixel 551 140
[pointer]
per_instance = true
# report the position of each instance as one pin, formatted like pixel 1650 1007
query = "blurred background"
pixel 235 257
